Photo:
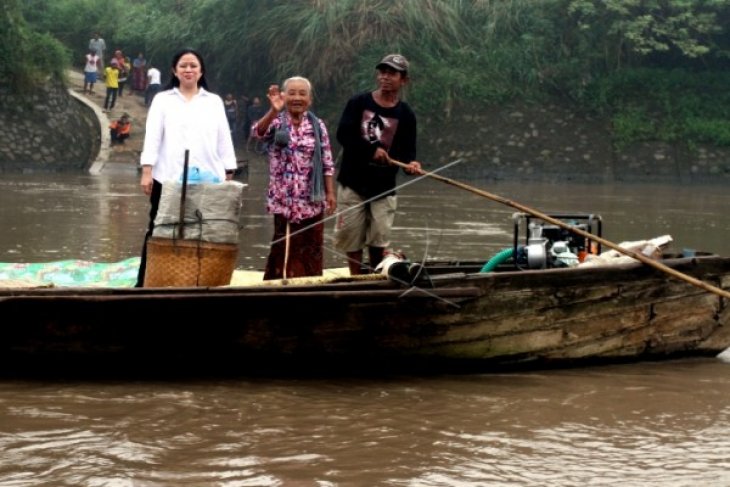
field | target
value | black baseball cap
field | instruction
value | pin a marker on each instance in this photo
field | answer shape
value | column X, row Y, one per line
column 395, row 61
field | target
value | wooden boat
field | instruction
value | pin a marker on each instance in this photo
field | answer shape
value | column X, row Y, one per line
column 455, row 318
column 448, row 316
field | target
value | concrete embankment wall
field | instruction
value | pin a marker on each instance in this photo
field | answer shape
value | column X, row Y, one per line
column 47, row 131
column 52, row 130
column 553, row 143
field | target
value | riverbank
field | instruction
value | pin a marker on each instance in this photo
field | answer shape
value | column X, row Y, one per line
column 131, row 103
column 58, row 128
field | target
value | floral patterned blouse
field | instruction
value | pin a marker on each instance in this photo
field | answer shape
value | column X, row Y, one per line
column 290, row 168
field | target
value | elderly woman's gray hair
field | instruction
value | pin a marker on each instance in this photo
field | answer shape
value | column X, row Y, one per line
column 299, row 78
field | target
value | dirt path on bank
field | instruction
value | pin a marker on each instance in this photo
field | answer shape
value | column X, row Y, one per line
column 131, row 102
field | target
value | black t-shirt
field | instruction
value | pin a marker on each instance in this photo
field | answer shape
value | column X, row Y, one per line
column 365, row 126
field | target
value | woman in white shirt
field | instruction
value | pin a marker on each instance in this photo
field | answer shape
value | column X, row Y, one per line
column 185, row 116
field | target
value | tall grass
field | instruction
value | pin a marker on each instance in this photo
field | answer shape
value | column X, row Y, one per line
column 464, row 53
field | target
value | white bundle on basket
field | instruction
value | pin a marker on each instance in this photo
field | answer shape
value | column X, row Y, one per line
column 212, row 211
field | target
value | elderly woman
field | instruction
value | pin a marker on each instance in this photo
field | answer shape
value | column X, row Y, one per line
column 301, row 180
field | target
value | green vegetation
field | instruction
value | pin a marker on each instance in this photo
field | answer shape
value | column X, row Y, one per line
column 657, row 68
column 669, row 105
column 27, row 57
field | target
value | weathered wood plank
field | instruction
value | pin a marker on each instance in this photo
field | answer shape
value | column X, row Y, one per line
column 503, row 317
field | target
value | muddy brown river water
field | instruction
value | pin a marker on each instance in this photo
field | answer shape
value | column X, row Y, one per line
column 648, row 424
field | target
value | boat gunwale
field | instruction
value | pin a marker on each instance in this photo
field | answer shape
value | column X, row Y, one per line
column 451, row 280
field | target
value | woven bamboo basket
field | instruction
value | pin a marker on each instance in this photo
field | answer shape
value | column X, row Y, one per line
column 189, row 263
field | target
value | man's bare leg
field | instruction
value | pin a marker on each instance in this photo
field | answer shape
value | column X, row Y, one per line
column 376, row 255
column 354, row 262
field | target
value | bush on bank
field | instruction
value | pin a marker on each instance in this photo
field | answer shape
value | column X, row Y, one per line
column 28, row 58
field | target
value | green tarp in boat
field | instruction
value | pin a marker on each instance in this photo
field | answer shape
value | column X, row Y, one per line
column 71, row 273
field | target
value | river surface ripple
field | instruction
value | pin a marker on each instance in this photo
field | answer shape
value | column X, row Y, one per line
column 648, row 424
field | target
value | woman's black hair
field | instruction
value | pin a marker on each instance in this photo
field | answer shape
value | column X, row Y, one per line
column 174, row 81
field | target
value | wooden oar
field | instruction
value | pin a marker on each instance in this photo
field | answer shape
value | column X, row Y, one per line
column 636, row 255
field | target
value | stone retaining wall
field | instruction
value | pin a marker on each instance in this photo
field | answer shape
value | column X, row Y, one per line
column 47, row 131
column 53, row 131
column 546, row 143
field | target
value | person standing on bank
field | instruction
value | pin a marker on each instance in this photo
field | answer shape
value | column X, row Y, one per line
column 154, row 84
column 91, row 67
column 375, row 127
column 139, row 73
column 301, row 180
column 111, row 80
column 97, row 44
column 254, row 112
column 185, row 116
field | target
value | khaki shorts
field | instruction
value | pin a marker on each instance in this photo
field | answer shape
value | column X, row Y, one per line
column 362, row 224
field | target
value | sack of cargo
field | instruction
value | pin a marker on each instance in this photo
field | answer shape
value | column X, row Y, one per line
column 211, row 212
column 195, row 234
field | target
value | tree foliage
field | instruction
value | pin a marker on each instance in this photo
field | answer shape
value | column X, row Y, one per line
column 629, row 30
column 27, row 57
column 463, row 52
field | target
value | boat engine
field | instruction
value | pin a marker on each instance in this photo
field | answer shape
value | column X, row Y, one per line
column 547, row 245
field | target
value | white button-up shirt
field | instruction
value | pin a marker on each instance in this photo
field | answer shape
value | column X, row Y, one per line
column 199, row 125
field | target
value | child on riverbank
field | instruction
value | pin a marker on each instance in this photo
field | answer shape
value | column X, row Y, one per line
column 119, row 130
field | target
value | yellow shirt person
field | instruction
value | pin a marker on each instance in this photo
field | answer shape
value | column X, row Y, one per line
column 112, row 85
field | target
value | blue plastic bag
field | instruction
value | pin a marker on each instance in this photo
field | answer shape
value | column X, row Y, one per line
column 196, row 176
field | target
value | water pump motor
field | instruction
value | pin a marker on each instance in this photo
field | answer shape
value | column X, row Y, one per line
column 547, row 245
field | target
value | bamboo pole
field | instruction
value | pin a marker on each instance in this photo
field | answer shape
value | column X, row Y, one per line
column 181, row 227
column 607, row 243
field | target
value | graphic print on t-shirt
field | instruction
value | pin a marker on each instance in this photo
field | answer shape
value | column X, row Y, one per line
column 375, row 128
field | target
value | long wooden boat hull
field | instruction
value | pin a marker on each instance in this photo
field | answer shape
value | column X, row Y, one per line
column 459, row 319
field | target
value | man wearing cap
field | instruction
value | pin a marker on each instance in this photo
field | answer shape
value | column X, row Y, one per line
column 112, row 84
column 376, row 127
